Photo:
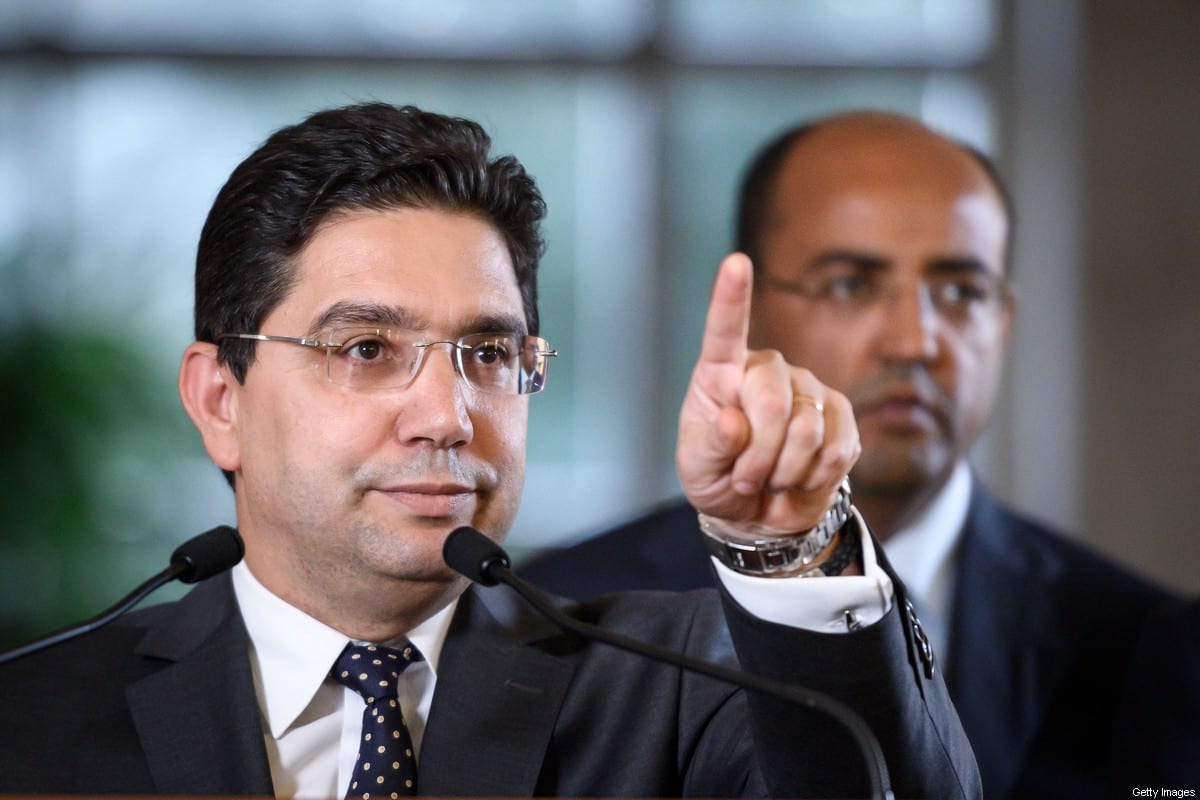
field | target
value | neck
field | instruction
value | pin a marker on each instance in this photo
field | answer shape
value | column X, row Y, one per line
column 888, row 508
column 369, row 611
column 381, row 617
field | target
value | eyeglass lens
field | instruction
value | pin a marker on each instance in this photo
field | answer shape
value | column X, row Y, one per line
column 502, row 363
column 956, row 297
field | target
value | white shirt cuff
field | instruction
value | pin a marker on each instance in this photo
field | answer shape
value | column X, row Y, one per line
column 821, row 605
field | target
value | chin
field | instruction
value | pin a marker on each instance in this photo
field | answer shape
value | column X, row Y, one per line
column 419, row 568
column 411, row 552
column 900, row 472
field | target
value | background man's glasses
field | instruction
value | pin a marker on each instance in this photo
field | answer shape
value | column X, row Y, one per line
column 365, row 359
column 959, row 298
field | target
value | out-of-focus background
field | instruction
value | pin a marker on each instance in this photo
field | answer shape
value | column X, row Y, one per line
column 120, row 119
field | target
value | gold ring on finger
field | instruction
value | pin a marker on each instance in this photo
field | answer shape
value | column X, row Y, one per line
column 808, row 400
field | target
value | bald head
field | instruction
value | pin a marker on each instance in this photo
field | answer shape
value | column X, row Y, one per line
column 887, row 144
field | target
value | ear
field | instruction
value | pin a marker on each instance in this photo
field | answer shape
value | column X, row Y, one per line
column 209, row 394
column 1008, row 313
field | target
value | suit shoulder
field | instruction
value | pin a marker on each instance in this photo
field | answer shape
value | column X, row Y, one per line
column 103, row 650
column 661, row 550
column 133, row 644
column 666, row 524
column 1083, row 577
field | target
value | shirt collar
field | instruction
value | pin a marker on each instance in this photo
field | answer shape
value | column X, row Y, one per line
column 291, row 652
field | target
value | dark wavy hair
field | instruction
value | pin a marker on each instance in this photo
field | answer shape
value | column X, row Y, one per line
column 366, row 156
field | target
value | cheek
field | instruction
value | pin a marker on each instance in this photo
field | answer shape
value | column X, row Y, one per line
column 978, row 365
column 804, row 339
column 834, row 356
column 305, row 438
column 500, row 442
column 500, row 435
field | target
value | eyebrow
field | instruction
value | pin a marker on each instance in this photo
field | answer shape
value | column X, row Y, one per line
column 958, row 265
column 492, row 323
column 942, row 265
column 351, row 313
column 829, row 258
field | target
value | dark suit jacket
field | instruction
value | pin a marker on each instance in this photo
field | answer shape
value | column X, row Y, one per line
column 163, row 702
column 1158, row 728
column 1041, row 633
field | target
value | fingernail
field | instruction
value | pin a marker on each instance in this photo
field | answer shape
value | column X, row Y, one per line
column 745, row 487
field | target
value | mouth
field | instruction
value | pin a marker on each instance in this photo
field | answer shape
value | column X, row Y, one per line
column 900, row 411
column 432, row 499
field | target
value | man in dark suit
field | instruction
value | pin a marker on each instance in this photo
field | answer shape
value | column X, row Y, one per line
column 881, row 252
column 366, row 338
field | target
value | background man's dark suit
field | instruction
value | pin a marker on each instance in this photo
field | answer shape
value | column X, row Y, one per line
column 519, row 708
column 1158, row 728
column 1040, row 635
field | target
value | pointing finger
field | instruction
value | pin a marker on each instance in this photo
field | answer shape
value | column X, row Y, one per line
column 726, row 328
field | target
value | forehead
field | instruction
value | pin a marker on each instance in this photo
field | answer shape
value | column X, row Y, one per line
column 897, row 198
column 438, row 270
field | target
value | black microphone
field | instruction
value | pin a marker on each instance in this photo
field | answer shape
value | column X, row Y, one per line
column 198, row 558
column 475, row 556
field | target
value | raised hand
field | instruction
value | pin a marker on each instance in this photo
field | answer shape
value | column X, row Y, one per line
column 762, row 444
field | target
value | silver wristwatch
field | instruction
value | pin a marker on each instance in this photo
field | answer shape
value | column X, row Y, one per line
column 777, row 555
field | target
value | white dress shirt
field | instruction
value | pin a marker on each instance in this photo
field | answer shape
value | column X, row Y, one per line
column 923, row 554
column 312, row 725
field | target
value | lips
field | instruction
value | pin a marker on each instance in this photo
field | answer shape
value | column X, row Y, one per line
column 431, row 499
column 900, row 408
column 903, row 414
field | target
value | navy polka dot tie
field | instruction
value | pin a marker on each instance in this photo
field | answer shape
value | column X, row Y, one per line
column 386, row 766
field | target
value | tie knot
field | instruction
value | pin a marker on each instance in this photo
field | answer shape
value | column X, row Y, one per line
column 373, row 670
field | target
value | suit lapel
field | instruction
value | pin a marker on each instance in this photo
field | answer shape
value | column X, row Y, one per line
column 198, row 717
column 1006, row 649
column 496, row 701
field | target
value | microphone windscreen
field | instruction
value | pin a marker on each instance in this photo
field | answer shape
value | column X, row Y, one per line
column 468, row 552
column 208, row 554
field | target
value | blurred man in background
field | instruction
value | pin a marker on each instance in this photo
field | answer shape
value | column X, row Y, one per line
column 881, row 252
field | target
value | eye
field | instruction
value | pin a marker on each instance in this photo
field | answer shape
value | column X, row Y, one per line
column 962, row 293
column 368, row 351
column 853, row 286
column 491, row 352
column 364, row 347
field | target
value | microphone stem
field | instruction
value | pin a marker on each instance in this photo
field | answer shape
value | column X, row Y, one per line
column 861, row 732
column 104, row 617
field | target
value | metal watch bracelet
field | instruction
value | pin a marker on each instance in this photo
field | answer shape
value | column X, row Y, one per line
column 843, row 555
column 776, row 556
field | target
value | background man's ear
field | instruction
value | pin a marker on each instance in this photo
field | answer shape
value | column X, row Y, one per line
column 1009, row 311
column 209, row 395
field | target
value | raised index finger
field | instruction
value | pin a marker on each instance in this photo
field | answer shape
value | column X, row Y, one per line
column 727, row 325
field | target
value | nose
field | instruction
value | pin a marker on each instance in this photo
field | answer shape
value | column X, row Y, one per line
column 909, row 328
column 435, row 411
